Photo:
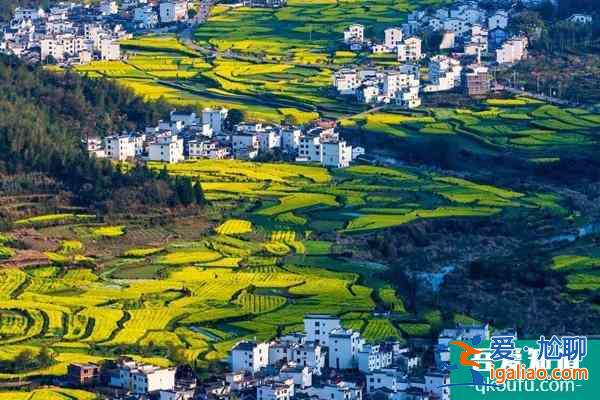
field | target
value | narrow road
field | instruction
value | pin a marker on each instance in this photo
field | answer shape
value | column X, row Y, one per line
column 543, row 97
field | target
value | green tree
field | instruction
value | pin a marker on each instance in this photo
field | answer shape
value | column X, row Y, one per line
column 199, row 197
column 233, row 118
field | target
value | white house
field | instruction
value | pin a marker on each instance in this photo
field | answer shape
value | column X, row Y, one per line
column 434, row 381
column 318, row 326
column 369, row 93
column 325, row 147
column 145, row 17
column 166, row 148
column 393, row 37
column 95, row 146
column 308, row 354
column 212, row 120
column 62, row 46
column 457, row 25
column 435, row 23
column 249, row 356
column 392, row 380
column 173, row 11
column 119, row 148
column 512, row 50
column 346, row 81
column 402, row 86
column 354, row 34
column 245, row 145
column 276, row 391
column 142, row 379
column 187, row 118
column 373, row 357
column 109, row 50
column 340, row 391
column 336, row 154
column 22, row 13
column 444, row 73
column 300, row 375
column 290, row 138
column 109, row 7
column 344, row 346
column 499, row 19
column 212, row 149
column 410, row 50
column 448, row 41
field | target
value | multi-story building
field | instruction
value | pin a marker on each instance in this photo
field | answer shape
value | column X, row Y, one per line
column 212, row 121
column 173, row 11
column 188, row 119
column 119, row 147
column 249, row 356
column 276, row 391
column 145, row 17
column 202, row 148
column 109, row 50
column 265, row 3
column 373, row 357
column 436, row 384
column 346, row 81
column 108, row 7
column 142, row 379
column 393, row 37
column 22, row 13
column 444, row 73
column 402, row 86
column 409, row 50
column 388, row 379
column 476, row 80
column 63, row 46
column 340, row 391
column 167, row 148
column 83, row 374
column 290, row 138
column 318, row 326
column 498, row 19
column 512, row 50
column 308, row 354
column 344, row 346
column 354, row 35
column 299, row 374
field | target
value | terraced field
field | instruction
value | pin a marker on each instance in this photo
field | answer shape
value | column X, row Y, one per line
column 518, row 124
column 352, row 200
column 273, row 64
column 259, row 266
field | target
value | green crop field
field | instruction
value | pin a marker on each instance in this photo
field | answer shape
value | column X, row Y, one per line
column 358, row 195
column 276, row 240
column 272, row 64
column 255, row 269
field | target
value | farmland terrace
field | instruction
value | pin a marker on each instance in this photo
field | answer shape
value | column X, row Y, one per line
column 281, row 243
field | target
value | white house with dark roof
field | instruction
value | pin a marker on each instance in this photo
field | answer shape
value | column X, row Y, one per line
column 344, row 346
column 318, row 326
column 374, row 357
column 249, row 356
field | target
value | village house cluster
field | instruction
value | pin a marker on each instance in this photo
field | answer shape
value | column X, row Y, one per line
column 472, row 41
column 324, row 362
column 75, row 33
column 327, row 361
column 190, row 136
column 129, row 379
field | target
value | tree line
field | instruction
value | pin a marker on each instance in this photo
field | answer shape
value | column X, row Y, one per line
column 45, row 119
